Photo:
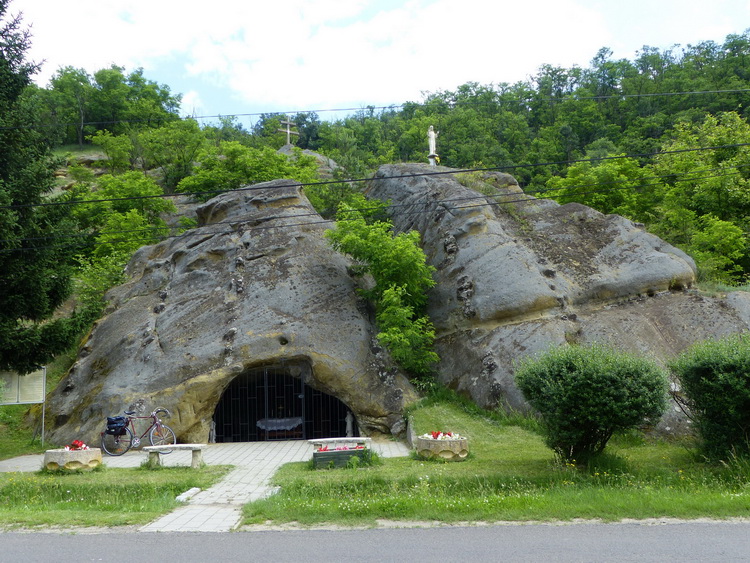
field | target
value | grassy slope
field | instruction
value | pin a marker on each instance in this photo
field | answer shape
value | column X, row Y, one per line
column 510, row 475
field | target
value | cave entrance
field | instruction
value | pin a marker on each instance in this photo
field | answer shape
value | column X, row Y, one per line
column 274, row 403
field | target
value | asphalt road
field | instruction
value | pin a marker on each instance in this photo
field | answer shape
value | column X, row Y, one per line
column 641, row 542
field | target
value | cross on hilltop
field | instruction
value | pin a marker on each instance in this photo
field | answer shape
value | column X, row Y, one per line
column 289, row 124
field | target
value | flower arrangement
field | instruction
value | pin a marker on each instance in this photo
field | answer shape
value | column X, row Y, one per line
column 76, row 445
column 441, row 436
column 339, row 448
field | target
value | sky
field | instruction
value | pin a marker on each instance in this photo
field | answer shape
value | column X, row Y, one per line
column 247, row 57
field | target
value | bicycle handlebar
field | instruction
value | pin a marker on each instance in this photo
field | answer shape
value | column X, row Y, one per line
column 161, row 409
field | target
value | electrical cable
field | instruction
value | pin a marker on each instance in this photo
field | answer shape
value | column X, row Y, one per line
column 235, row 223
column 375, row 178
column 454, row 104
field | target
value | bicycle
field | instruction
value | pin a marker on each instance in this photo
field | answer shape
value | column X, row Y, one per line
column 119, row 438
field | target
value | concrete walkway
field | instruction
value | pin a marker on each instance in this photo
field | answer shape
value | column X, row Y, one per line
column 218, row 509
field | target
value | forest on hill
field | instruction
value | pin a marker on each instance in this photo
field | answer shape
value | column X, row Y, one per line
column 662, row 139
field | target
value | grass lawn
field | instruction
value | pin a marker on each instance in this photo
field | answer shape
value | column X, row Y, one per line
column 510, row 475
column 107, row 497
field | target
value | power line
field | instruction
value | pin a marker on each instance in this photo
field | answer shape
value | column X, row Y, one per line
column 459, row 103
column 358, row 180
column 202, row 232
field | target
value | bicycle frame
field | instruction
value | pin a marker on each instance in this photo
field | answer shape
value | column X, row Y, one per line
column 158, row 433
column 155, row 421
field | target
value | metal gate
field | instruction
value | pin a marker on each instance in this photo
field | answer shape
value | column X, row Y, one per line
column 269, row 403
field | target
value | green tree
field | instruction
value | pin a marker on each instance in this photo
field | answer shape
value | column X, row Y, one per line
column 124, row 233
column 393, row 260
column 707, row 193
column 715, row 388
column 228, row 129
column 81, row 104
column 586, row 394
column 173, row 149
column 35, row 268
column 121, row 196
column 408, row 336
column 71, row 91
column 232, row 165
column 616, row 185
column 402, row 278
column 266, row 132
column 118, row 148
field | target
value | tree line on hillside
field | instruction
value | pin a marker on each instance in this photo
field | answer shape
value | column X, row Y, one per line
column 622, row 136
column 605, row 136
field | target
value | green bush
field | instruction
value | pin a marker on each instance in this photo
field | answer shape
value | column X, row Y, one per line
column 232, row 165
column 402, row 277
column 586, row 394
column 715, row 386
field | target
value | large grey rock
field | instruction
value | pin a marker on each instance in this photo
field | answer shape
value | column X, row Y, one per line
column 255, row 284
column 516, row 275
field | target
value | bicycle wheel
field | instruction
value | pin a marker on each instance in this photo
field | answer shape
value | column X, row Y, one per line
column 162, row 435
column 117, row 445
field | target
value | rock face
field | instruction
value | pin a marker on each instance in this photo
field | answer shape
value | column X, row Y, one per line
column 254, row 285
column 516, row 275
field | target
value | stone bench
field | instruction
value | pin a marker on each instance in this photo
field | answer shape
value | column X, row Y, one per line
column 358, row 441
column 338, row 458
column 153, row 453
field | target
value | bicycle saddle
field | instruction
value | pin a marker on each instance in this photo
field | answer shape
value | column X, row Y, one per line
column 129, row 413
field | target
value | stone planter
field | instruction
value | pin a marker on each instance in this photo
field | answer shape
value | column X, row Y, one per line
column 335, row 458
column 446, row 450
column 72, row 459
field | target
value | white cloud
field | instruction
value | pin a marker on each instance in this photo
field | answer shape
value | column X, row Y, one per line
column 397, row 53
column 307, row 54
column 192, row 104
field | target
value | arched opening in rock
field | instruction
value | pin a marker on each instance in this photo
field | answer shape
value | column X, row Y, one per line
column 274, row 403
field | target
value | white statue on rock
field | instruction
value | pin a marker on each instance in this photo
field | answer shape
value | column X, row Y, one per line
column 432, row 138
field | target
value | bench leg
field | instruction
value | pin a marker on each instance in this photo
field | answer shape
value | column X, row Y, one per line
column 197, row 459
column 153, row 459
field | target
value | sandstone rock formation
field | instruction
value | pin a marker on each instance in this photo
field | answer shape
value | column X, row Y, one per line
column 516, row 274
column 255, row 284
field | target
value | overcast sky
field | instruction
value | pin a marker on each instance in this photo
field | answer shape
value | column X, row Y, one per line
column 250, row 56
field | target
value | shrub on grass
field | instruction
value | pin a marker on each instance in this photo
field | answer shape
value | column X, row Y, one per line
column 715, row 384
column 586, row 394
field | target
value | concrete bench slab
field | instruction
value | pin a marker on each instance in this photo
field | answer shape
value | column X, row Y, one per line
column 360, row 441
column 154, row 451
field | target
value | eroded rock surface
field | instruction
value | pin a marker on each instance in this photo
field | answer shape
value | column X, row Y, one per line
column 516, row 275
column 256, row 284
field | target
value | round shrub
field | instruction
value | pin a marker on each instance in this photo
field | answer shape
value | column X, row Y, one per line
column 714, row 378
column 586, row 394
